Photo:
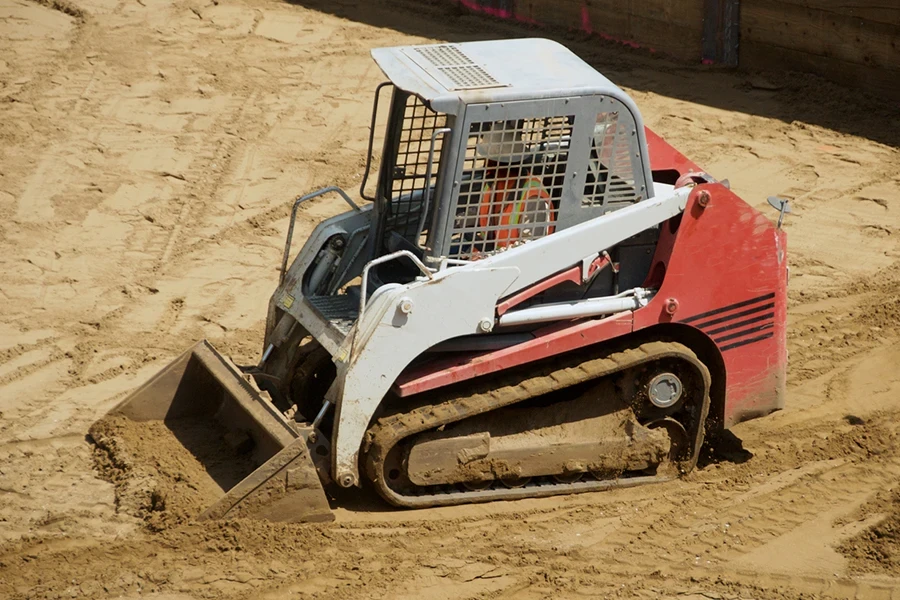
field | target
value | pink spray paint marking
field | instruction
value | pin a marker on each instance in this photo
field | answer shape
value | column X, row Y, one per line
column 500, row 13
column 586, row 19
column 586, row 25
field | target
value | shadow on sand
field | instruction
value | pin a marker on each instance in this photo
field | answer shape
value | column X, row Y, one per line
column 723, row 448
column 785, row 96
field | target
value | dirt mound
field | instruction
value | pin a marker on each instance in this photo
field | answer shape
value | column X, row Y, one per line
column 877, row 549
column 165, row 473
column 858, row 439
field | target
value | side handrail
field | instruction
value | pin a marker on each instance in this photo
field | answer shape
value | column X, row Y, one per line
column 365, row 178
column 383, row 259
column 297, row 203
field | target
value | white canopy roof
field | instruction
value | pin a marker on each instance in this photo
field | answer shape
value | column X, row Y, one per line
column 448, row 76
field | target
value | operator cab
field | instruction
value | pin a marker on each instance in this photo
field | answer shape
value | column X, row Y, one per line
column 492, row 144
column 487, row 146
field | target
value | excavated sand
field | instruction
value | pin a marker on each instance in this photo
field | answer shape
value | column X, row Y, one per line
column 166, row 473
column 876, row 549
column 149, row 151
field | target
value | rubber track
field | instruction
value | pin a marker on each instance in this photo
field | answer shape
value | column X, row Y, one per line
column 486, row 394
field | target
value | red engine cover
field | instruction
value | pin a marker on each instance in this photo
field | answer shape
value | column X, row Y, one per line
column 724, row 273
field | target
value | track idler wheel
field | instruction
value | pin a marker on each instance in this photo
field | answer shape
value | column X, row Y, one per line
column 515, row 482
column 568, row 477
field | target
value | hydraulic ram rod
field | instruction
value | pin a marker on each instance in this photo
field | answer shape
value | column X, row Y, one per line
column 564, row 311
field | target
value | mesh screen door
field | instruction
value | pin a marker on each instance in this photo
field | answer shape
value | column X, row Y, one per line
column 526, row 170
column 512, row 178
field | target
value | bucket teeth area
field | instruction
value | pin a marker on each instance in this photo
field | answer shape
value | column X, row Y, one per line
column 199, row 441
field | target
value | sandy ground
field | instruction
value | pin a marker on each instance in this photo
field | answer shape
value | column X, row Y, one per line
column 150, row 149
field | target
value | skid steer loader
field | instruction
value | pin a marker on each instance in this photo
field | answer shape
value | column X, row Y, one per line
column 541, row 297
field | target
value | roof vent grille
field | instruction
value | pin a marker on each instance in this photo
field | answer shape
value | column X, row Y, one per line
column 444, row 55
column 454, row 69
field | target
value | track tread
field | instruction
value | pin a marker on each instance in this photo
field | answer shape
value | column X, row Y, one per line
column 445, row 406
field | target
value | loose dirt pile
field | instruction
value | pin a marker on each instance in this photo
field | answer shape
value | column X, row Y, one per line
column 150, row 151
column 877, row 549
column 166, row 473
column 213, row 559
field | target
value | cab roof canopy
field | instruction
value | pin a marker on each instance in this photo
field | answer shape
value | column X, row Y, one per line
column 449, row 76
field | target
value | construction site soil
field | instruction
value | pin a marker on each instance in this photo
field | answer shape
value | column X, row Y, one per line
column 166, row 474
column 149, row 150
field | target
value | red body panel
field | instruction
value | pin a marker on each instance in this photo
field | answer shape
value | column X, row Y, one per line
column 726, row 276
column 664, row 157
column 721, row 270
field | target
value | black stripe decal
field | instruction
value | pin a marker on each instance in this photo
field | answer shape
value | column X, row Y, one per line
column 745, row 313
column 729, row 307
column 734, row 336
column 741, row 324
column 745, row 342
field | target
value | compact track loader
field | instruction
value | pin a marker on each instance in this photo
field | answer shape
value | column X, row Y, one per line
column 541, row 297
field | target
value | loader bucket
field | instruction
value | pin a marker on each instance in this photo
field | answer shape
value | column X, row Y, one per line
column 279, row 481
